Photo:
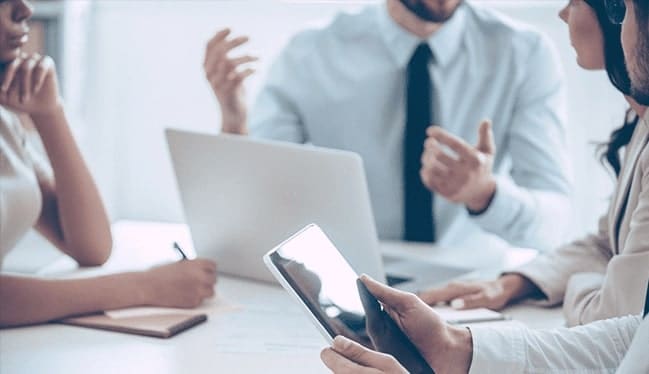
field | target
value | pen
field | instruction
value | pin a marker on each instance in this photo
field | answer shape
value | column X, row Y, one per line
column 177, row 247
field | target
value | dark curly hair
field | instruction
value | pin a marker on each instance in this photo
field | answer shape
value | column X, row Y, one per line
column 619, row 76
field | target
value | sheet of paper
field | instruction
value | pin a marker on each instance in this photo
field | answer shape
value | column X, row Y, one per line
column 211, row 306
column 261, row 330
column 455, row 316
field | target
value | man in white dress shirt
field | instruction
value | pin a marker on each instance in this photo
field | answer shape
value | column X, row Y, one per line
column 373, row 82
column 618, row 344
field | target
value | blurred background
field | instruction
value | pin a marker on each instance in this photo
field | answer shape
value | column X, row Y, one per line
column 131, row 68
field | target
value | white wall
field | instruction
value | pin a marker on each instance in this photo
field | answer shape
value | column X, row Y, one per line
column 145, row 61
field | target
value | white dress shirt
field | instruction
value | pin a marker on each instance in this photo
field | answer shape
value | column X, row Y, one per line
column 343, row 86
column 608, row 346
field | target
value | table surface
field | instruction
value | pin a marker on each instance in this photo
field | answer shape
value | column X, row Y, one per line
column 252, row 327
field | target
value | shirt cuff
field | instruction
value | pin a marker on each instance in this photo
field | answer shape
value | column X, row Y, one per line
column 507, row 203
column 497, row 350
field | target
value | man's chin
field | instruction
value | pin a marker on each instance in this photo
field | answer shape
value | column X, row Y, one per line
column 419, row 9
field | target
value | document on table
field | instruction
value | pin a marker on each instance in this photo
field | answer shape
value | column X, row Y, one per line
column 262, row 330
column 461, row 317
column 209, row 307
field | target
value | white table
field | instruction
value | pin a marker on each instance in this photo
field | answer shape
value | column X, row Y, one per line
column 252, row 327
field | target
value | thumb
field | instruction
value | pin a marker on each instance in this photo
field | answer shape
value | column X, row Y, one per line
column 486, row 143
column 356, row 352
column 388, row 296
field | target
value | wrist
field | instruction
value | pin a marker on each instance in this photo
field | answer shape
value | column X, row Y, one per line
column 143, row 288
column 514, row 286
column 458, row 353
column 233, row 124
column 480, row 202
column 46, row 117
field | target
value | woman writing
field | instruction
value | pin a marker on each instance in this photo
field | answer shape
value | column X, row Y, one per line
column 55, row 193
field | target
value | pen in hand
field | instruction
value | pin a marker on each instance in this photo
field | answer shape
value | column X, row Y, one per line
column 182, row 253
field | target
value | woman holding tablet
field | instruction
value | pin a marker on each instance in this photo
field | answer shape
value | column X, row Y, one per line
column 53, row 192
column 598, row 347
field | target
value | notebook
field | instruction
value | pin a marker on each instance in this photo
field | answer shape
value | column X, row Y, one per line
column 468, row 316
column 140, row 321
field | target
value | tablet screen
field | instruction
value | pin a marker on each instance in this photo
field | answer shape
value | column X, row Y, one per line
column 325, row 282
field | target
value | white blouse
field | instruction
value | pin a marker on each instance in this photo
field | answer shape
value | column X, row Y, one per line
column 20, row 194
column 616, row 345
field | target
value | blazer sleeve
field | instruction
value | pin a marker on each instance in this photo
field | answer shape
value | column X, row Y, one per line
column 621, row 289
column 552, row 271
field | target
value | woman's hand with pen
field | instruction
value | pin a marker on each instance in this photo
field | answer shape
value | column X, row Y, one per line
column 183, row 284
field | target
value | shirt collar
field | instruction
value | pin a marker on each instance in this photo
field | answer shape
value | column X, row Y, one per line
column 444, row 43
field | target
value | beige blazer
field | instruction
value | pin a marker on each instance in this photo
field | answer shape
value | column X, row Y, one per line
column 605, row 274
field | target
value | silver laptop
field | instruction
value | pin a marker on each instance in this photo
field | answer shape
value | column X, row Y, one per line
column 243, row 196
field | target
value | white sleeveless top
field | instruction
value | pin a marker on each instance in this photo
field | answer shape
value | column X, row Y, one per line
column 20, row 194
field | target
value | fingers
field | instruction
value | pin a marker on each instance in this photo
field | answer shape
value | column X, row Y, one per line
column 390, row 297
column 466, row 153
column 434, row 152
column 441, row 179
column 243, row 60
column 449, row 292
column 206, row 264
column 25, row 77
column 347, row 356
column 209, row 269
column 436, row 178
column 10, row 73
column 340, row 364
column 207, row 292
column 218, row 37
column 45, row 66
column 225, row 74
column 222, row 72
column 234, row 43
column 219, row 46
column 26, row 70
column 472, row 301
column 218, row 52
column 241, row 76
column 436, row 167
column 486, row 142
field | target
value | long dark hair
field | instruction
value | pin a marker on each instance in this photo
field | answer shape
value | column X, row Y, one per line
column 619, row 76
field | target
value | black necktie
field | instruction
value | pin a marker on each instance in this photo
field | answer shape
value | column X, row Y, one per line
column 418, row 201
